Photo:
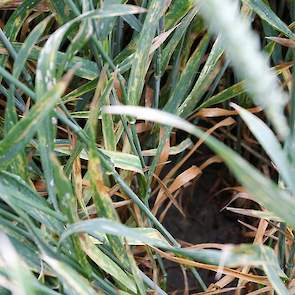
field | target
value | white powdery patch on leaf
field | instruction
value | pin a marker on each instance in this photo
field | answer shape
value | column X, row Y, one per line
column 242, row 47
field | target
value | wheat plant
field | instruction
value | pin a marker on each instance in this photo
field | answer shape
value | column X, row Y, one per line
column 93, row 96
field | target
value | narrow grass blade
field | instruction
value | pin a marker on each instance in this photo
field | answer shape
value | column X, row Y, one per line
column 176, row 12
column 242, row 46
column 270, row 144
column 233, row 256
column 21, row 281
column 9, row 228
column 98, row 226
column 133, row 22
column 28, row 46
column 187, row 76
column 78, row 42
column 104, row 27
column 179, row 32
column 79, row 91
column 283, row 41
column 18, row 195
column 125, row 161
column 263, row 189
column 28, row 252
column 20, row 163
column 255, row 213
column 62, row 11
column 173, row 150
column 72, row 280
column 146, row 231
column 107, row 264
column 103, row 203
column 87, row 69
column 225, row 95
column 24, row 130
column 206, row 77
column 265, row 12
column 120, row 160
column 107, row 121
column 47, row 60
column 244, row 255
column 100, row 196
column 16, row 21
column 232, row 91
column 140, row 60
column 68, row 206
column 273, row 277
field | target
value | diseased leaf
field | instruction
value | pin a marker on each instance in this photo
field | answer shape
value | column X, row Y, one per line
column 265, row 12
column 25, row 129
column 107, row 264
column 71, row 279
column 120, row 160
column 141, row 60
column 177, row 9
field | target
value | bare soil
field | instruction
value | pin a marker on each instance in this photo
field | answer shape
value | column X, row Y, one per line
column 205, row 222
